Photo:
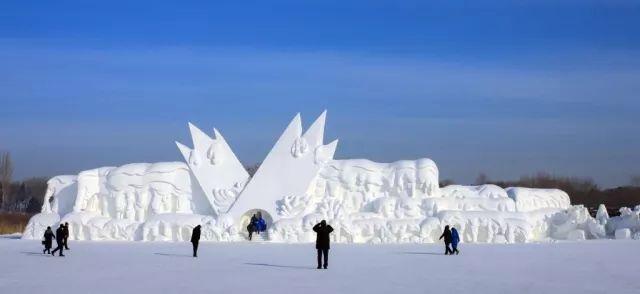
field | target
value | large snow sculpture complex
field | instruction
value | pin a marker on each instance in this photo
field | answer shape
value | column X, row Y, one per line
column 298, row 184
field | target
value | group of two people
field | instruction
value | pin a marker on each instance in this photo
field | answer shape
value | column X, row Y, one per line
column 322, row 241
column 257, row 224
column 452, row 238
column 61, row 236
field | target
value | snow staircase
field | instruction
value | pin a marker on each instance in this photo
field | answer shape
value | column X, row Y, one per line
column 262, row 237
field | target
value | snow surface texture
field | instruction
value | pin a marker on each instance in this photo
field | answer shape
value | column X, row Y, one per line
column 600, row 266
column 298, row 184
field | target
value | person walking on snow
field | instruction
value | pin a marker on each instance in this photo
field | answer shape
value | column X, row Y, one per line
column 59, row 240
column 66, row 235
column 455, row 239
column 48, row 240
column 447, row 240
column 322, row 242
column 195, row 239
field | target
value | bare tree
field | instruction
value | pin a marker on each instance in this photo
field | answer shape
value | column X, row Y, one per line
column 6, row 172
column 482, row 179
column 635, row 181
column 252, row 169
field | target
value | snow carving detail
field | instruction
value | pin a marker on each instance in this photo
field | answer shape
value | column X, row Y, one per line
column 213, row 154
column 299, row 147
column 291, row 206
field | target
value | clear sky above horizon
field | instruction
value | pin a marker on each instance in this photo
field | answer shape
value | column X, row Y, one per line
column 503, row 88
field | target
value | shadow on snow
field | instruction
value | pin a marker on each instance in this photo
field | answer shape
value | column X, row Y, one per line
column 280, row 266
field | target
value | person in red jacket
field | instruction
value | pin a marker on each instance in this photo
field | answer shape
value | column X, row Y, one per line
column 322, row 242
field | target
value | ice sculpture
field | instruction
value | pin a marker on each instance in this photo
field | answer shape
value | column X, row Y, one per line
column 298, row 184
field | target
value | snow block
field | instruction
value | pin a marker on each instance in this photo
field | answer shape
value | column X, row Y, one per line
column 576, row 235
column 623, row 234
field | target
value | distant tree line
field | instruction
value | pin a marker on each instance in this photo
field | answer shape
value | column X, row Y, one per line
column 19, row 196
column 581, row 190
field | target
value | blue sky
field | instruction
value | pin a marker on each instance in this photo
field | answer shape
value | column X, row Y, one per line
column 504, row 88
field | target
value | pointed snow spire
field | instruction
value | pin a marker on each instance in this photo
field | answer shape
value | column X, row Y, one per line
column 293, row 130
column 184, row 150
column 200, row 139
column 331, row 148
column 217, row 136
column 315, row 134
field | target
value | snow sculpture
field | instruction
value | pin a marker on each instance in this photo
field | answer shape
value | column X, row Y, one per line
column 602, row 215
column 471, row 198
column 61, row 194
column 287, row 171
column 215, row 167
column 298, row 184
column 529, row 199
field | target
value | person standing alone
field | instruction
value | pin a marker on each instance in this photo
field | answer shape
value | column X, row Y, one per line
column 322, row 242
column 195, row 239
column 59, row 240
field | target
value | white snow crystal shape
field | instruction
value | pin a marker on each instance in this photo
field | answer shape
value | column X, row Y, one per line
column 299, row 147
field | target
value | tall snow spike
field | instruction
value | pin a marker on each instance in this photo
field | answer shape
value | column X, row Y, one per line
column 315, row 134
column 200, row 139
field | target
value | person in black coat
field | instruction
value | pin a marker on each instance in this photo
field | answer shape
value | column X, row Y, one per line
column 59, row 240
column 195, row 239
column 447, row 240
column 48, row 240
column 250, row 229
column 322, row 242
column 66, row 235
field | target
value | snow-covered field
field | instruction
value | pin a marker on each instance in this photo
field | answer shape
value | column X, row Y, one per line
column 142, row 267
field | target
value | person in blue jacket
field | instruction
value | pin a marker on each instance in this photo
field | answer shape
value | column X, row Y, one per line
column 455, row 239
column 262, row 225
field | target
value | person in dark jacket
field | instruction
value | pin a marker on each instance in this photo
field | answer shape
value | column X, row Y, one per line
column 322, row 242
column 250, row 229
column 254, row 224
column 447, row 240
column 48, row 240
column 66, row 235
column 195, row 239
column 455, row 239
column 59, row 240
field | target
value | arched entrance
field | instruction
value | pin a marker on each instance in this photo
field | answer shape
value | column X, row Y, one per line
column 246, row 217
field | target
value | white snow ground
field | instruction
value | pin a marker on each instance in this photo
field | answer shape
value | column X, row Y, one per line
column 149, row 267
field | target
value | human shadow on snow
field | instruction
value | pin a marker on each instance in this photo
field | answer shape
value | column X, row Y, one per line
column 421, row 253
column 279, row 265
column 36, row 254
column 13, row 237
column 173, row 254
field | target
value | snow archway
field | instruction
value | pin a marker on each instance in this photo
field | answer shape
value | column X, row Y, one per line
column 246, row 217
